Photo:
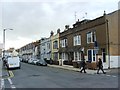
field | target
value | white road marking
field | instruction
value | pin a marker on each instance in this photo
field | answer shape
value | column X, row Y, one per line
column 108, row 75
column 114, row 76
column 2, row 84
column 13, row 86
column 11, row 83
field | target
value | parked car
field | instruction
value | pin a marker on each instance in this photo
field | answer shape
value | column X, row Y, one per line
column 34, row 61
column 41, row 63
column 24, row 60
column 30, row 60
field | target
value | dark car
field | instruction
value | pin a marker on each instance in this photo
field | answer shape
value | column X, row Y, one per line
column 41, row 63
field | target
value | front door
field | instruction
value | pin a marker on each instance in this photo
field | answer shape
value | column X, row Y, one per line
column 105, row 63
column 90, row 55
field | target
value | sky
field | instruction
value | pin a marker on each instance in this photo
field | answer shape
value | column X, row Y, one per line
column 33, row 19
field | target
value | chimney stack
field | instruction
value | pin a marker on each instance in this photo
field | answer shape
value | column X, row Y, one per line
column 58, row 31
column 52, row 33
column 66, row 27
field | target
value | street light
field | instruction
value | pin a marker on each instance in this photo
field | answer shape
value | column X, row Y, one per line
column 4, row 40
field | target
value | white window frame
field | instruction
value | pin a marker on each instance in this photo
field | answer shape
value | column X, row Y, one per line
column 77, row 40
column 63, row 43
column 55, row 44
column 64, row 56
column 91, row 37
column 77, row 56
column 92, row 55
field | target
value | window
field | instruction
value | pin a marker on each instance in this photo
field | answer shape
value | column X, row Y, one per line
column 55, row 44
column 77, row 40
column 77, row 56
column 64, row 56
column 91, row 37
column 48, row 45
column 91, row 55
column 55, row 56
column 63, row 43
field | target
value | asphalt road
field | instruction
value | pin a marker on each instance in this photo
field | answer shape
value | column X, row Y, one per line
column 31, row 76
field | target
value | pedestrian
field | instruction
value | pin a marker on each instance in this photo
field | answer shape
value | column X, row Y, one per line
column 83, row 64
column 100, row 66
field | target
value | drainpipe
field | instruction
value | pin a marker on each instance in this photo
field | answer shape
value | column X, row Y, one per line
column 108, row 45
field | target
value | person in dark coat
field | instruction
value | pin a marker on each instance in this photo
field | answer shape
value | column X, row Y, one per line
column 100, row 66
column 83, row 64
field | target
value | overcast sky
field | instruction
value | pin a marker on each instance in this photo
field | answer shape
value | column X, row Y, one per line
column 33, row 19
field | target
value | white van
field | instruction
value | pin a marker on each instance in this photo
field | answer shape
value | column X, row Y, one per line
column 13, row 62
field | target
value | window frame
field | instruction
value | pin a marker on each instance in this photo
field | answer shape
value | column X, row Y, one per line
column 77, row 40
column 93, row 55
column 91, row 37
column 63, row 42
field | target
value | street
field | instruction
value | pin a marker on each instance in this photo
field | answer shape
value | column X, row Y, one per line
column 32, row 76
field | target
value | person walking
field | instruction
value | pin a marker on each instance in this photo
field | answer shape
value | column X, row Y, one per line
column 83, row 64
column 100, row 66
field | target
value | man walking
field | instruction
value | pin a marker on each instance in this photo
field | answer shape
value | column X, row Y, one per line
column 100, row 66
column 83, row 64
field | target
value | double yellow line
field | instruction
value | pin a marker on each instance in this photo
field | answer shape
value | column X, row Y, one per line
column 10, row 73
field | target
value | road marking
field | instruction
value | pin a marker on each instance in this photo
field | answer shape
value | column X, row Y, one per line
column 9, row 79
column 11, row 83
column 114, row 76
column 10, row 74
column 13, row 86
column 2, row 84
column 108, row 75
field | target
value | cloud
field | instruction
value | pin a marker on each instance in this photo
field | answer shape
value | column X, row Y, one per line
column 34, row 19
column 19, row 42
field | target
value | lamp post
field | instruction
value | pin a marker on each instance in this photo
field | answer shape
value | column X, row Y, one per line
column 4, row 40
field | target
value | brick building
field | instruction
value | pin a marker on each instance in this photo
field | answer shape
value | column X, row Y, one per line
column 90, row 40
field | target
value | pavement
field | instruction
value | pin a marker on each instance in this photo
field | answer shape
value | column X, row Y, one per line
column 0, row 67
column 68, row 67
column 3, row 71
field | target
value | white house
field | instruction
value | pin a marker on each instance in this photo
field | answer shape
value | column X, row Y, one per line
column 45, row 48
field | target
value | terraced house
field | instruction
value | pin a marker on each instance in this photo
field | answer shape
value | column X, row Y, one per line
column 30, row 50
column 90, row 40
column 87, row 39
column 45, row 49
column 113, row 38
column 55, row 47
